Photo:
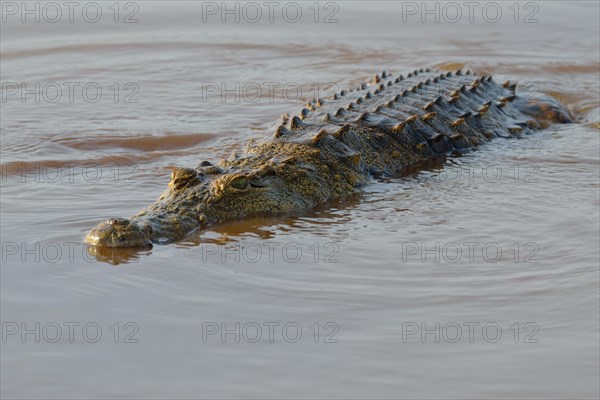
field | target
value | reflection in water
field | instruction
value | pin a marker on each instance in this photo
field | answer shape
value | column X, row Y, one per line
column 330, row 213
column 116, row 256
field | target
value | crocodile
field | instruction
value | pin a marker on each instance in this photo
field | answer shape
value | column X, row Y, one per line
column 336, row 145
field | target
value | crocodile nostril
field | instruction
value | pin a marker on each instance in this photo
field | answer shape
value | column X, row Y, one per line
column 118, row 221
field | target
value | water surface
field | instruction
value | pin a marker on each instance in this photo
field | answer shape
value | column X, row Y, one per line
column 477, row 279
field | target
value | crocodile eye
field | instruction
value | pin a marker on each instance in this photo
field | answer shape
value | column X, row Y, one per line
column 239, row 183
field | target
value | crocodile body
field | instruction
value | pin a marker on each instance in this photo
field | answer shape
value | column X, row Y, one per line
column 335, row 145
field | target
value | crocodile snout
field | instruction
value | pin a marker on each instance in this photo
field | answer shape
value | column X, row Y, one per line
column 119, row 232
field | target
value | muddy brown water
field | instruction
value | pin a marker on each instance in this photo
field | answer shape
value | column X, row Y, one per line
column 475, row 279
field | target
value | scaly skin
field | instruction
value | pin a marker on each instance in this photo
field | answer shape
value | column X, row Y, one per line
column 333, row 147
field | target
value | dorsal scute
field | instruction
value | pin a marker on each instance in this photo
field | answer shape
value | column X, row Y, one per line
column 296, row 123
column 281, row 131
column 341, row 131
column 320, row 135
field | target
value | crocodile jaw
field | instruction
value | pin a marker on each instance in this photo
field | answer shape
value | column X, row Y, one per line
column 119, row 232
column 141, row 231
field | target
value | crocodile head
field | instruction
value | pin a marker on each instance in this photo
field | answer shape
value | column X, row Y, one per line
column 209, row 194
column 172, row 215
